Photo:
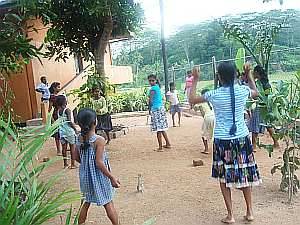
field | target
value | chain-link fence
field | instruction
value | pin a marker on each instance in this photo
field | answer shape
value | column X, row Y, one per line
column 282, row 65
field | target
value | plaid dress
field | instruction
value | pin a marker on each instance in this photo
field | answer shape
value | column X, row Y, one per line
column 94, row 185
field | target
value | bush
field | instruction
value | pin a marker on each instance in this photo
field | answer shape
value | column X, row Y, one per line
column 128, row 102
column 24, row 197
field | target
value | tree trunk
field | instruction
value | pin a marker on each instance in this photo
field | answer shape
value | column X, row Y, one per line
column 101, row 45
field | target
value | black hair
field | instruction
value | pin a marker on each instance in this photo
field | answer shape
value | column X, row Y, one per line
column 155, row 78
column 172, row 84
column 263, row 77
column 43, row 77
column 53, row 86
column 61, row 100
column 189, row 72
column 227, row 73
column 86, row 119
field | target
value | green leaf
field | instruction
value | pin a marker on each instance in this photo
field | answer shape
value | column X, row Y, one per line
column 150, row 221
column 240, row 59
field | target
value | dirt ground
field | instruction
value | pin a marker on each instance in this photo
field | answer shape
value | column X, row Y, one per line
column 176, row 193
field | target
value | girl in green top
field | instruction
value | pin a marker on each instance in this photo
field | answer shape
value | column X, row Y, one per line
column 103, row 116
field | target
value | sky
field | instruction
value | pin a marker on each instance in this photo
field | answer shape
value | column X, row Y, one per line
column 181, row 12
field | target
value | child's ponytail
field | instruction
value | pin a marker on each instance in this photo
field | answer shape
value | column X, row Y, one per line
column 84, row 133
column 86, row 119
column 227, row 73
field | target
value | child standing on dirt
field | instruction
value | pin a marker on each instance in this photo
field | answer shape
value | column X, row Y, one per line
column 208, row 123
column 234, row 163
column 174, row 101
column 159, row 122
column 67, row 130
column 96, row 180
column 103, row 117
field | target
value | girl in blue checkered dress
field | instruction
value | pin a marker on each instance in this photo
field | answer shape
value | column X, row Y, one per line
column 96, row 180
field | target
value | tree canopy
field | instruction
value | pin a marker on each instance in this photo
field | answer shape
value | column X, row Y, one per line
column 84, row 27
column 196, row 44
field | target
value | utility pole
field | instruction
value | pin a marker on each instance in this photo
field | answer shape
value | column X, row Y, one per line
column 163, row 45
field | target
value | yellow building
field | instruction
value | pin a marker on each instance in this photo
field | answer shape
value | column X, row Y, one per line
column 27, row 103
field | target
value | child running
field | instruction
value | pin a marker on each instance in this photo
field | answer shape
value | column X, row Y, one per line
column 96, row 180
column 234, row 165
column 67, row 130
column 175, row 106
column 159, row 122
column 208, row 123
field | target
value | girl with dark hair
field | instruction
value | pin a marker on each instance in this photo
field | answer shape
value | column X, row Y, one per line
column 67, row 130
column 103, row 116
column 188, row 85
column 96, row 180
column 54, row 90
column 208, row 123
column 255, row 121
column 159, row 122
column 233, row 160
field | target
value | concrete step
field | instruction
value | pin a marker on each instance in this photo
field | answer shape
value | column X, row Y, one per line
column 34, row 122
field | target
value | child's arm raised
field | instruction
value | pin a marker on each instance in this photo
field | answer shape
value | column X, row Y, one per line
column 99, row 145
column 251, row 83
column 193, row 98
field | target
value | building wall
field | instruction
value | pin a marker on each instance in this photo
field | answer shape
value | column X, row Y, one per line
column 24, row 104
column 27, row 103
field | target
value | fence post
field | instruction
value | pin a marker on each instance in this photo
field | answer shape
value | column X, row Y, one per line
column 173, row 74
column 216, row 82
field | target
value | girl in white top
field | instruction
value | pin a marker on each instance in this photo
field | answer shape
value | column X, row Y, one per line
column 172, row 96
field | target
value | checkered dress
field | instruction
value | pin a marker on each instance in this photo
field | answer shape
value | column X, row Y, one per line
column 95, row 186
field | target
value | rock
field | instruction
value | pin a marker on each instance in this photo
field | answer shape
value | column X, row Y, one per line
column 46, row 159
column 198, row 162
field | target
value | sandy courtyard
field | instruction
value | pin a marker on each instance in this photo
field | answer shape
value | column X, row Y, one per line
column 175, row 192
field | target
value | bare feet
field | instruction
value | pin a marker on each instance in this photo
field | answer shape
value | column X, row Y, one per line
column 160, row 149
column 249, row 218
column 276, row 145
column 167, row 146
column 228, row 220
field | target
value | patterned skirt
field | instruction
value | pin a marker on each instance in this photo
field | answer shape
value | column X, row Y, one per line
column 234, row 163
column 159, row 121
column 255, row 122
column 104, row 122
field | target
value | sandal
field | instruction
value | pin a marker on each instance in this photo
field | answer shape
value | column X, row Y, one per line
column 72, row 167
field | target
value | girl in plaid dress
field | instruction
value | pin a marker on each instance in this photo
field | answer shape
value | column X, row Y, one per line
column 96, row 180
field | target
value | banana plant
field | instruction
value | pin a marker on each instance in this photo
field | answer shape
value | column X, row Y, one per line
column 280, row 110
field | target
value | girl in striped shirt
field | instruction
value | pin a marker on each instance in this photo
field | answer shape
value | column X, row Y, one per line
column 234, row 165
